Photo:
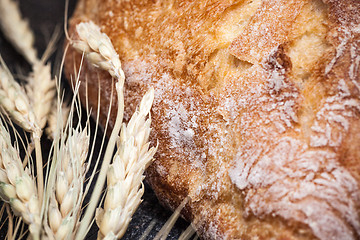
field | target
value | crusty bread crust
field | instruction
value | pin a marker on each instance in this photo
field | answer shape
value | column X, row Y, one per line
column 257, row 109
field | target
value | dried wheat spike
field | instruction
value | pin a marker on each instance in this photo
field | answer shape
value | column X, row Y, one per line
column 17, row 30
column 17, row 187
column 125, row 174
column 41, row 91
column 98, row 49
column 65, row 203
column 15, row 102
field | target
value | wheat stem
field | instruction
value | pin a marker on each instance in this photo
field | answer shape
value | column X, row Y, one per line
column 147, row 231
column 39, row 165
column 99, row 51
column 10, row 222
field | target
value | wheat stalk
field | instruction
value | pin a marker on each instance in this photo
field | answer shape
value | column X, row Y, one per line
column 17, row 30
column 98, row 49
column 17, row 187
column 66, row 200
column 125, row 174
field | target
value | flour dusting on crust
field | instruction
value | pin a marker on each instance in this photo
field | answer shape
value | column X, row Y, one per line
column 282, row 175
column 257, row 122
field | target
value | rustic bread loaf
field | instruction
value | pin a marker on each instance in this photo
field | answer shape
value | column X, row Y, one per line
column 257, row 109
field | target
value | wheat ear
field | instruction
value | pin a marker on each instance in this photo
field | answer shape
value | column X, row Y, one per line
column 17, row 30
column 41, row 91
column 17, row 187
column 66, row 200
column 125, row 174
column 98, row 49
column 15, row 102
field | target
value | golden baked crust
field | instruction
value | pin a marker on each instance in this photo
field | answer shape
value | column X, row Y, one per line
column 257, row 109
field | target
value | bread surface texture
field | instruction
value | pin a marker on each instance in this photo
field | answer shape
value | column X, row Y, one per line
column 256, row 110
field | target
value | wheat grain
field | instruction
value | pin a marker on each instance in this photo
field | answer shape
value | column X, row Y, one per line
column 41, row 91
column 17, row 30
column 125, row 174
column 65, row 202
column 98, row 49
column 17, row 186
column 15, row 102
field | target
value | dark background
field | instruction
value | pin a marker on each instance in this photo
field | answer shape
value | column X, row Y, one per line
column 44, row 17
